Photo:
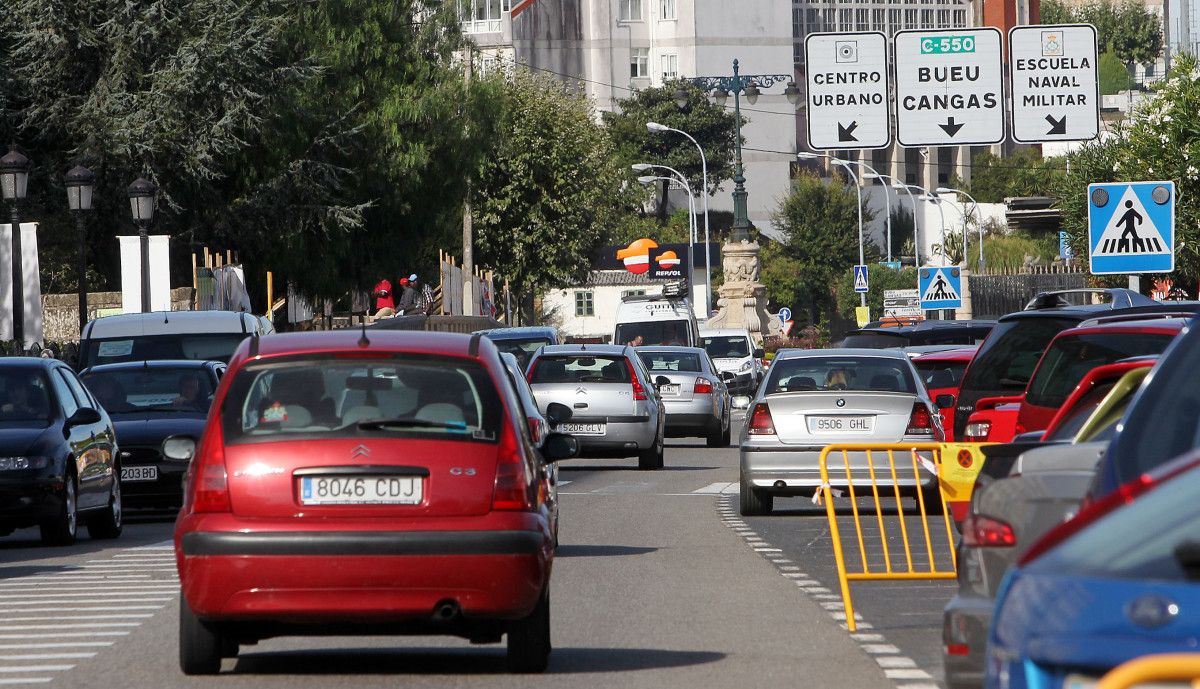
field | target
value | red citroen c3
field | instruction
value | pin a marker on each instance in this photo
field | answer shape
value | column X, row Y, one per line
column 372, row 482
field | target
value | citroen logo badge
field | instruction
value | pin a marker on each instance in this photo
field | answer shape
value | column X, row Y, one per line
column 1152, row 611
column 360, row 451
column 841, row 403
column 580, row 390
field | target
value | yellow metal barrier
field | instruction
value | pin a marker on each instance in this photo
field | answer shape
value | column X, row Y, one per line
column 895, row 472
column 1165, row 667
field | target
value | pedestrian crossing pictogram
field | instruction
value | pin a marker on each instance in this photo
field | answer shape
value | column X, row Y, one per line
column 1131, row 227
column 861, row 279
column 941, row 288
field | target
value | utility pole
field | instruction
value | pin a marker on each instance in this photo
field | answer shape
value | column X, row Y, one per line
column 468, row 264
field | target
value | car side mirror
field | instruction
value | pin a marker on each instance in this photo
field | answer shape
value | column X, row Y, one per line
column 559, row 446
column 945, row 401
column 728, row 376
column 84, row 416
column 558, row 413
column 660, row 381
column 759, row 353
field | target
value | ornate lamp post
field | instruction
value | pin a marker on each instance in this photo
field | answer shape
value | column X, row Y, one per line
column 141, row 204
column 80, row 182
column 14, row 183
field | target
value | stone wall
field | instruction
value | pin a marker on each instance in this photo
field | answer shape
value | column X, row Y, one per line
column 61, row 311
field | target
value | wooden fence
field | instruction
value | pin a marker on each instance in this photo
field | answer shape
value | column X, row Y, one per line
column 993, row 295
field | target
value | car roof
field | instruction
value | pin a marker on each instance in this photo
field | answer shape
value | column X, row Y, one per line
column 350, row 339
column 960, row 354
column 517, row 332
column 27, row 362
column 156, row 363
column 727, row 332
column 841, row 351
column 170, row 323
column 581, row 349
column 670, row 348
column 923, row 326
column 1154, row 325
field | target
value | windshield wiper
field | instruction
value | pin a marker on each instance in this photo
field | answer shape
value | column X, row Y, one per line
column 379, row 424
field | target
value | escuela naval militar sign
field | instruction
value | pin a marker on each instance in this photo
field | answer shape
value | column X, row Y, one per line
column 656, row 261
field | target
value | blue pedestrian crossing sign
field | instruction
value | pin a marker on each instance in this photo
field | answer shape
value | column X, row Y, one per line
column 940, row 288
column 1131, row 227
column 860, row 279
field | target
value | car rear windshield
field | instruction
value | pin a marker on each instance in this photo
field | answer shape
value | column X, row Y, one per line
column 653, row 333
column 1069, row 359
column 840, row 373
column 732, row 347
column 156, row 389
column 196, row 347
column 1152, row 539
column 1081, row 410
column 428, row 396
column 874, row 340
column 671, row 361
column 580, row 368
column 940, row 374
column 522, row 349
column 24, row 397
column 1007, row 358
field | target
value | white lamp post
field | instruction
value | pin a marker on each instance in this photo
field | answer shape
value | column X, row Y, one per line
column 804, row 155
column 658, row 128
column 978, row 215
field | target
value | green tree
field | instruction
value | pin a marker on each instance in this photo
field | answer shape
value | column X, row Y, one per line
column 1113, row 75
column 879, row 279
column 1023, row 173
column 1123, row 27
column 819, row 220
column 550, row 192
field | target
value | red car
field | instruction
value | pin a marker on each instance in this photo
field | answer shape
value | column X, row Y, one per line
column 380, row 482
column 942, row 372
column 1088, row 395
column 1069, row 357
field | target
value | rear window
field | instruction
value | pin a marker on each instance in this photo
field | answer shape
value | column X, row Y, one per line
column 874, row 340
column 151, row 389
column 580, row 368
column 1069, row 359
column 1079, row 413
column 940, row 374
column 1143, row 540
column 653, row 333
column 670, row 361
column 731, row 347
column 1007, row 358
column 196, row 347
column 522, row 349
column 840, row 373
column 437, row 397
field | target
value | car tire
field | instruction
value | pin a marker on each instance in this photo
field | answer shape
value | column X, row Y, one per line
column 529, row 639
column 727, row 436
column 651, row 458
column 200, row 646
column 717, row 437
column 107, row 524
column 754, row 502
column 64, row 527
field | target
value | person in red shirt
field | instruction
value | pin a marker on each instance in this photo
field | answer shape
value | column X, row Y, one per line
column 384, row 298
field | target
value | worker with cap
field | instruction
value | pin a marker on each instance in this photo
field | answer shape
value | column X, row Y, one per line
column 408, row 295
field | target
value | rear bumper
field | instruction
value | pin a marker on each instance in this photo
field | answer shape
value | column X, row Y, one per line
column 167, row 489
column 621, row 438
column 965, row 622
column 798, row 468
column 27, row 502
column 694, row 419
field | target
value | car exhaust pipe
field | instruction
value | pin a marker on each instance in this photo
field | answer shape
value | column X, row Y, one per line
column 446, row 611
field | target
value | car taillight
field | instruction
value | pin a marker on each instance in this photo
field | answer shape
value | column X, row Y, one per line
column 535, row 430
column 760, row 420
column 513, row 490
column 977, row 431
column 979, row 531
column 209, row 481
column 920, row 421
column 639, row 392
column 532, row 368
column 703, row 387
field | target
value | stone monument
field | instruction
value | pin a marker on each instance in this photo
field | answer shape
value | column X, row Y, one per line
column 743, row 300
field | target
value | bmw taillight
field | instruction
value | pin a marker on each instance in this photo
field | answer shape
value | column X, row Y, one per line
column 209, row 483
column 761, row 422
column 639, row 392
column 979, row 531
column 977, row 431
column 703, row 387
column 920, row 421
column 514, row 491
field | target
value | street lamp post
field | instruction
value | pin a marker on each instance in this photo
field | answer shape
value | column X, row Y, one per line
column 14, row 184
column 898, row 185
column 858, row 189
column 975, row 206
column 80, row 182
column 656, row 127
column 942, row 214
column 678, row 177
column 738, row 84
column 887, row 198
column 141, row 205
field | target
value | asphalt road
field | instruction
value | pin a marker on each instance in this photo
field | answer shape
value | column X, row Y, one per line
column 658, row 583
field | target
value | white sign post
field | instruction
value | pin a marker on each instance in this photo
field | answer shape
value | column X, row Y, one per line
column 1054, row 83
column 849, row 100
column 949, row 87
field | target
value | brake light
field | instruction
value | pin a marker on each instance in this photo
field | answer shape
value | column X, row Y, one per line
column 920, row 422
column 209, row 480
column 958, row 650
column 532, row 368
column 980, row 531
column 703, row 387
column 639, row 392
column 977, row 431
column 513, row 490
column 761, row 422
column 535, row 430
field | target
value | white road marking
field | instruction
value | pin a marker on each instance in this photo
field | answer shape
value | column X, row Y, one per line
column 714, row 488
column 59, row 635
column 37, row 668
column 880, row 648
column 47, row 656
column 72, row 644
column 46, row 618
column 895, row 661
column 156, row 588
column 25, row 680
column 80, row 625
column 907, row 673
column 867, row 637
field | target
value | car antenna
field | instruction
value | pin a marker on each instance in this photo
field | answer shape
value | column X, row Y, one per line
column 363, row 340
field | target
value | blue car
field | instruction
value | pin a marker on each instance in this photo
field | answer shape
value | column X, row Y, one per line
column 1117, row 582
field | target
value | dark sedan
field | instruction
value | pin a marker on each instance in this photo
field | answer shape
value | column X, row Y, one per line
column 58, row 450
column 159, row 410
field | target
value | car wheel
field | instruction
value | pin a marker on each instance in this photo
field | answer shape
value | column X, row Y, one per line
column 754, row 502
column 64, row 527
column 108, row 523
column 529, row 639
column 726, row 436
column 200, row 646
column 715, row 436
column 652, row 457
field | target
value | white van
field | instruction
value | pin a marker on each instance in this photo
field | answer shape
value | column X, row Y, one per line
column 651, row 319
column 734, row 351
column 199, row 335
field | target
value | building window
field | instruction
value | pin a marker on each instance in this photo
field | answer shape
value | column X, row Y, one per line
column 482, row 16
column 632, row 293
column 670, row 66
column 910, row 19
column 927, row 19
column 861, row 17
column 960, row 18
column 488, row 64
column 631, row 10
column 943, row 19
column 585, row 304
column 639, row 63
column 845, row 20
column 668, row 9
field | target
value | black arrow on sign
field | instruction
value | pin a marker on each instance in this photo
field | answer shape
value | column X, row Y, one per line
column 846, row 133
column 1058, row 126
column 951, row 127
